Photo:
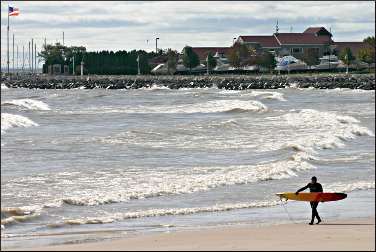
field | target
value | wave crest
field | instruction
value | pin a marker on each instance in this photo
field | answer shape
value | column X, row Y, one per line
column 28, row 104
column 165, row 212
column 10, row 120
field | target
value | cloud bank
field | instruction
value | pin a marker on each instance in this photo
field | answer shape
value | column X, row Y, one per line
column 135, row 25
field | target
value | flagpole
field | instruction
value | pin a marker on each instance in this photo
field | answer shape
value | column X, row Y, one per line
column 8, row 44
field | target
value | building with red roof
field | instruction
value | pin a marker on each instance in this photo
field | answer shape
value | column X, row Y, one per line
column 316, row 38
column 202, row 52
column 293, row 44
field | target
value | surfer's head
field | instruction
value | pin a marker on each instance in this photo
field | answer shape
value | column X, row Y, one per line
column 314, row 179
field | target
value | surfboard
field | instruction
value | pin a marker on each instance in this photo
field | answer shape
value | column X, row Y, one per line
column 312, row 197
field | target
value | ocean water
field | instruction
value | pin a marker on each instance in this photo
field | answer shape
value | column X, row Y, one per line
column 81, row 165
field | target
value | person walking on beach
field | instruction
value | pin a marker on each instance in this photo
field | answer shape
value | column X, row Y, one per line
column 313, row 187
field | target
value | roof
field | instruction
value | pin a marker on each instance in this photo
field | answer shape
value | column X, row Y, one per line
column 354, row 46
column 302, row 39
column 158, row 60
column 202, row 52
column 264, row 41
column 313, row 29
column 318, row 30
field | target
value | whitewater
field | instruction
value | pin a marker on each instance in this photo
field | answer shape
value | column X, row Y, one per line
column 74, row 162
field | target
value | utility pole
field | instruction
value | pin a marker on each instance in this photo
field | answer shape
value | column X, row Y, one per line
column 63, row 38
column 156, row 45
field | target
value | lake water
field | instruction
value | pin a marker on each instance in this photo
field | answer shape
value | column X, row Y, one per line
column 81, row 165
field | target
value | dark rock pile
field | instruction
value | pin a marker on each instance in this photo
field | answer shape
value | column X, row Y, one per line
column 233, row 82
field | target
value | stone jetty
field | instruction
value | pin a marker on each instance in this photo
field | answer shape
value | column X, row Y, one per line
column 232, row 82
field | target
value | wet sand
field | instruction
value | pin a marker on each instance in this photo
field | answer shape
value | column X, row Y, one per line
column 351, row 234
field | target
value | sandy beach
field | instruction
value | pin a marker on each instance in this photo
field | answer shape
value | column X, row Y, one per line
column 351, row 234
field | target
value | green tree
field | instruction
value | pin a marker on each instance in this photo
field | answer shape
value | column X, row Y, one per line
column 52, row 54
column 367, row 54
column 311, row 56
column 172, row 61
column 241, row 55
column 190, row 58
column 266, row 60
column 234, row 57
column 370, row 41
column 211, row 61
column 346, row 56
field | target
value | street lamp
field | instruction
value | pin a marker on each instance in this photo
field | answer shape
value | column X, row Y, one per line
column 156, row 45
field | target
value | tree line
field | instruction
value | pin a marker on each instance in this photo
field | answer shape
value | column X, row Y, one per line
column 127, row 62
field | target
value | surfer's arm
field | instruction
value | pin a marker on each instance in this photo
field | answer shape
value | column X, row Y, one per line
column 301, row 189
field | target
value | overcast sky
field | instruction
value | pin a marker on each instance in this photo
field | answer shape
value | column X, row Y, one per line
column 129, row 25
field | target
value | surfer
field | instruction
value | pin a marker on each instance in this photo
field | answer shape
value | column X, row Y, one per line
column 313, row 187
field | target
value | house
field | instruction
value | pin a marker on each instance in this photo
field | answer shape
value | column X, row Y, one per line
column 202, row 52
column 294, row 44
column 354, row 47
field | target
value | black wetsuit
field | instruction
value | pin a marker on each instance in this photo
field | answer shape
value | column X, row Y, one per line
column 316, row 187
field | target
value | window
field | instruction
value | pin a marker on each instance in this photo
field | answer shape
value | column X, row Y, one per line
column 297, row 50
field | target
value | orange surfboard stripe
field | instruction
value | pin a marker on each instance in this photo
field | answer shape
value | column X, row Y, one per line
column 313, row 197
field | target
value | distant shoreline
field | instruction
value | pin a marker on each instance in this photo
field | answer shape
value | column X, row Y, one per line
column 232, row 82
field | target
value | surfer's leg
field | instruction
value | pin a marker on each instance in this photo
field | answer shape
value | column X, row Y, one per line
column 313, row 212
column 317, row 213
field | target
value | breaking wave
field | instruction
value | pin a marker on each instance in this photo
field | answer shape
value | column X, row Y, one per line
column 349, row 187
column 165, row 212
column 332, row 130
column 200, row 179
column 337, row 187
column 215, row 106
column 268, row 95
column 10, row 120
column 12, row 215
column 28, row 104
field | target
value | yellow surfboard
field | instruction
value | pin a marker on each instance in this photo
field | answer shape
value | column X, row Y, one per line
column 312, row 197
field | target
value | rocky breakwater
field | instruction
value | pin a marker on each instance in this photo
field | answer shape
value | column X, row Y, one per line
column 233, row 82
